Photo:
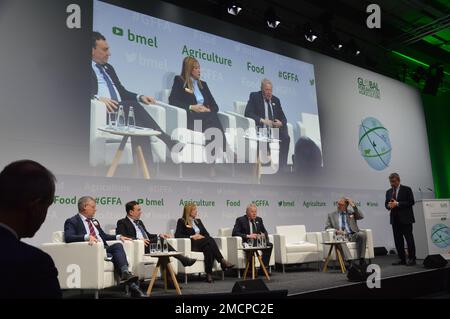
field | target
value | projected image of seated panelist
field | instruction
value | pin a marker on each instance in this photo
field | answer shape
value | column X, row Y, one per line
column 266, row 110
column 107, row 88
column 192, row 94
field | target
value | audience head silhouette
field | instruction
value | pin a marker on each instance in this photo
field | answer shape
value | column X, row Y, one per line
column 27, row 190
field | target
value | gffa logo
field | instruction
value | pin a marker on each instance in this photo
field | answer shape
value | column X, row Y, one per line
column 261, row 202
column 288, row 76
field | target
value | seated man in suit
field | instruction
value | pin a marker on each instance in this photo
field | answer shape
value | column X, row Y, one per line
column 266, row 110
column 133, row 227
column 249, row 227
column 107, row 88
column 345, row 222
column 84, row 227
column 26, row 191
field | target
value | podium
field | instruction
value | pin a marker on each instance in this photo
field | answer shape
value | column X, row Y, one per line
column 432, row 227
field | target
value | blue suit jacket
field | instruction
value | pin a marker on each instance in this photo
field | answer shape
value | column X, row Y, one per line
column 74, row 230
column 27, row 271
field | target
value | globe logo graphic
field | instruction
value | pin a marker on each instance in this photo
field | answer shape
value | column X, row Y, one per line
column 440, row 235
column 374, row 144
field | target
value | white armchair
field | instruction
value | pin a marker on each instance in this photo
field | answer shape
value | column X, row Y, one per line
column 293, row 245
column 183, row 245
column 103, row 146
column 235, row 254
column 81, row 266
column 308, row 126
column 249, row 127
column 351, row 246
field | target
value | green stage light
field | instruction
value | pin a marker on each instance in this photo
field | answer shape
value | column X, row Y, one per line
column 413, row 60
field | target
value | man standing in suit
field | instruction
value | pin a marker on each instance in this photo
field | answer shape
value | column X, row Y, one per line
column 266, row 110
column 133, row 227
column 345, row 222
column 107, row 88
column 26, row 191
column 249, row 227
column 399, row 201
column 84, row 227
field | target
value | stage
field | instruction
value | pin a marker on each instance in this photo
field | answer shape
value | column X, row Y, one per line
column 305, row 281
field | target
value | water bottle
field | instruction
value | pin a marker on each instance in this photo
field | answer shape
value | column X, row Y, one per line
column 165, row 246
column 263, row 241
column 158, row 244
column 131, row 119
column 258, row 241
column 121, row 118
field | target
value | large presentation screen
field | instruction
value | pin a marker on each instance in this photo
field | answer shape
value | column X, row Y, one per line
column 147, row 55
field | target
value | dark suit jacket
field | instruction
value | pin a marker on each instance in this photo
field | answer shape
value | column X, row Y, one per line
column 183, row 231
column 27, row 271
column 255, row 109
column 402, row 214
column 74, row 230
column 126, row 228
column 242, row 227
column 183, row 99
column 124, row 93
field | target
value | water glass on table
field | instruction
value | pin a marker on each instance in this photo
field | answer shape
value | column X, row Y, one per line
column 112, row 120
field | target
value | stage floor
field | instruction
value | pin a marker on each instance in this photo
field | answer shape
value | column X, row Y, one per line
column 297, row 280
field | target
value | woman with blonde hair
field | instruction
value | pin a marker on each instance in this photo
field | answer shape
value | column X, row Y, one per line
column 193, row 95
column 189, row 226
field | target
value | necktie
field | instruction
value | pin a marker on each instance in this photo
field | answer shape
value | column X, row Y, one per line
column 141, row 228
column 343, row 221
column 91, row 228
column 109, row 83
column 394, row 193
column 255, row 229
column 269, row 110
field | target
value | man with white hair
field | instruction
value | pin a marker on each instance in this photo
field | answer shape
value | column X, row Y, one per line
column 266, row 110
column 344, row 221
column 249, row 227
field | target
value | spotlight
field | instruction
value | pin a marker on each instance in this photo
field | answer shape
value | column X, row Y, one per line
column 335, row 42
column 310, row 34
column 353, row 48
column 272, row 20
column 234, row 8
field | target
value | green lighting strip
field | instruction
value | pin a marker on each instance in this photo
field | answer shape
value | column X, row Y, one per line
column 413, row 60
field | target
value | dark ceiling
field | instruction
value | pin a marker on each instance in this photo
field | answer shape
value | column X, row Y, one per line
column 413, row 33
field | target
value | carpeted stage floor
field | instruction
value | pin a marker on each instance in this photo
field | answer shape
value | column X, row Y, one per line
column 297, row 280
